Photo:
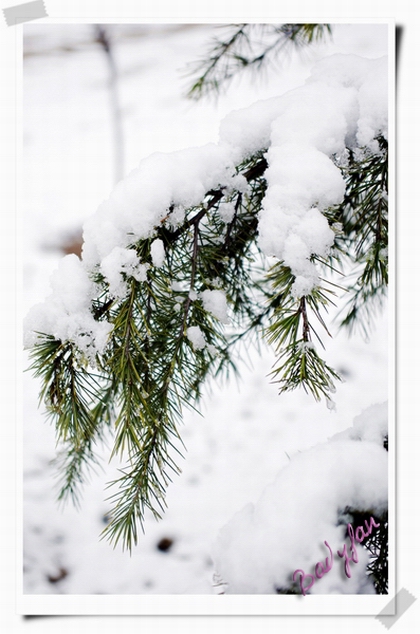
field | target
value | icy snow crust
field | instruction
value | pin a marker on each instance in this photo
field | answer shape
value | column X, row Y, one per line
column 342, row 104
column 260, row 548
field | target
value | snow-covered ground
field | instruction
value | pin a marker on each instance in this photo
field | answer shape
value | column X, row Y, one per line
column 247, row 432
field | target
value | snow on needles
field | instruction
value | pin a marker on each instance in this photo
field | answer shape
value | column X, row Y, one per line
column 215, row 303
column 196, row 337
column 65, row 313
column 141, row 201
column 258, row 551
column 340, row 106
column 343, row 104
column 121, row 261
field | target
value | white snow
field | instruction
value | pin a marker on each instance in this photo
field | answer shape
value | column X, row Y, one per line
column 66, row 314
column 226, row 211
column 157, row 251
column 261, row 547
column 196, row 337
column 371, row 425
column 176, row 217
column 122, row 261
column 215, row 303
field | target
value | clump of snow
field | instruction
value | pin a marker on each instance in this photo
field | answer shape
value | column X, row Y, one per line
column 258, row 551
column 342, row 104
column 215, row 303
column 122, row 261
column 196, row 337
column 237, row 183
column 157, row 251
column 226, row 211
column 65, row 314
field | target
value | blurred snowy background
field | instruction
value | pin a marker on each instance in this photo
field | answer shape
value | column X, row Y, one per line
column 247, row 432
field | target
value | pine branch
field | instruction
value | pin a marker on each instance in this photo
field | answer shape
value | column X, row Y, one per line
column 364, row 239
column 152, row 367
column 290, row 330
column 250, row 47
column 194, row 258
column 207, row 79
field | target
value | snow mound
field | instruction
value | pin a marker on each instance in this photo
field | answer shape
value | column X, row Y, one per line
column 258, row 551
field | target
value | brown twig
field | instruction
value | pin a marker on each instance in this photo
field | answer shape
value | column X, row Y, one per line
column 306, row 333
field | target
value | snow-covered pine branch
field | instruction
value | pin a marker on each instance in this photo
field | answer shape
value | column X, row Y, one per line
column 185, row 244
